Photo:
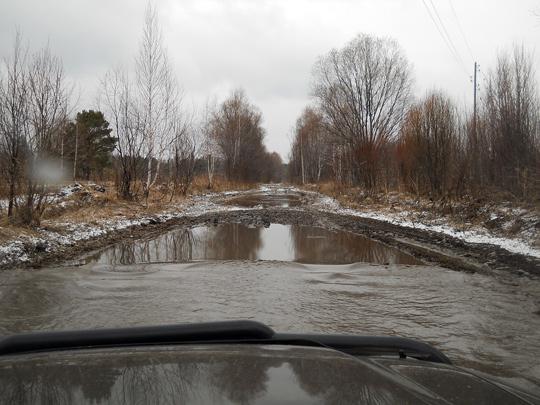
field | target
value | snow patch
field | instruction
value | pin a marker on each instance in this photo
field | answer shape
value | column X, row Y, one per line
column 21, row 249
column 478, row 235
column 13, row 252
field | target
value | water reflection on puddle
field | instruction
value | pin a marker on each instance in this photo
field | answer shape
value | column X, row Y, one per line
column 297, row 243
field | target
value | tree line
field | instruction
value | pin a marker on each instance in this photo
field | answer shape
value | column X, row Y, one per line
column 141, row 137
column 366, row 129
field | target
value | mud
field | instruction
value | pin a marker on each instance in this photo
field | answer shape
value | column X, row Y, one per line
column 261, row 200
column 427, row 246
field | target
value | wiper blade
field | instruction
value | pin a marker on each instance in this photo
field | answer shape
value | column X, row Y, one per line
column 248, row 332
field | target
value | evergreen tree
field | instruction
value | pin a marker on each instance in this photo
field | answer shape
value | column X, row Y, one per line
column 89, row 144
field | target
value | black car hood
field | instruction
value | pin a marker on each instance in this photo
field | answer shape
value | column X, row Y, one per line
column 237, row 373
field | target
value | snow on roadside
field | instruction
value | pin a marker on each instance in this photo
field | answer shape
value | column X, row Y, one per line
column 402, row 218
column 12, row 252
column 20, row 250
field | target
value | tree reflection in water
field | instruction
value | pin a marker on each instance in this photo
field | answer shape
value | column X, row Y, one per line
column 175, row 246
column 233, row 241
column 240, row 377
column 239, row 242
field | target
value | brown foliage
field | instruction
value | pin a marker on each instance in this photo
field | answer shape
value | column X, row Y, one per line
column 237, row 129
column 368, row 135
column 363, row 91
column 309, row 151
column 429, row 146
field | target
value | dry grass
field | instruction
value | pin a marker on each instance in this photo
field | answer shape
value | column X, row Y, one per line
column 220, row 184
column 501, row 215
column 91, row 206
column 9, row 232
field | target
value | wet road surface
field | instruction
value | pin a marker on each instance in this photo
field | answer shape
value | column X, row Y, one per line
column 298, row 243
column 309, row 280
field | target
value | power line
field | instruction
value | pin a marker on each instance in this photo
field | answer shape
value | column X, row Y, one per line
column 461, row 29
column 445, row 40
column 447, row 34
column 452, row 52
column 439, row 29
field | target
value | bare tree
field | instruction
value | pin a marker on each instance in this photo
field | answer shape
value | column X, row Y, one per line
column 14, row 124
column 363, row 90
column 274, row 168
column 48, row 110
column 430, row 145
column 310, row 149
column 209, row 146
column 128, row 123
column 186, row 147
column 146, row 114
column 159, row 96
column 512, row 119
column 238, row 132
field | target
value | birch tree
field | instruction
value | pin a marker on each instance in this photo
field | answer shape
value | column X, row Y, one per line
column 127, row 122
column 159, row 97
column 209, row 146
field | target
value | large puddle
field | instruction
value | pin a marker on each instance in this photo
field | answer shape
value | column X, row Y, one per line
column 297, row 243
column 232, row 271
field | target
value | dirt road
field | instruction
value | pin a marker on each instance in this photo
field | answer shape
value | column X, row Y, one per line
column 290, row 206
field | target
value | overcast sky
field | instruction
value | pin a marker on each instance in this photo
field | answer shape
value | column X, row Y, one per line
column 268, row 47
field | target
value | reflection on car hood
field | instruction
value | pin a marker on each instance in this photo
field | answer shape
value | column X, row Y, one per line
column 246, row 374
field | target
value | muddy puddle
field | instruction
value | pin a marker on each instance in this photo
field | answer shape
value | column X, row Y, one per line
column 295, row 243
column 265, row 200
column 295, row 278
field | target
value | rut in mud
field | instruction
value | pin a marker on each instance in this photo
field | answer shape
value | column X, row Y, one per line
column 270, row 256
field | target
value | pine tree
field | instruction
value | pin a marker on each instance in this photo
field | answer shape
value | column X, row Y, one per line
column 89, row 144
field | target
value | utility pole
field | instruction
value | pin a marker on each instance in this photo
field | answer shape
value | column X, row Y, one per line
column 76, row 149
column 474, row 102
column 475, row 134
column 62, row 154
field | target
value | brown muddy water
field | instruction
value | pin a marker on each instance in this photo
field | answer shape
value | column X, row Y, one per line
column 297, row 243
column 295, row 279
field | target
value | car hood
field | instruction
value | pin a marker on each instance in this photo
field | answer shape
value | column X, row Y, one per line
column 237, row 373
